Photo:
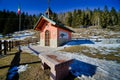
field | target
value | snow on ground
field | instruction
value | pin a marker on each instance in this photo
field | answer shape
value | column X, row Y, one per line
column 22, row 35
column 22, row 68
column 87, row 68
column 105, row 46
column 14, row 70
column 30, row 50
column 1, row 36
column 104, row 69
column 109, row 43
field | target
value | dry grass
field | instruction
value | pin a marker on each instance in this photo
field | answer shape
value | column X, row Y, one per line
column 76, row 49
column 94, row 31
column 33, row 72
column 5, row 61
column 87, row 51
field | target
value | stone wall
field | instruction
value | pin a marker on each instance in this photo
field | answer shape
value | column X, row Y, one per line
column 62, row 41
column 42, row 42
column 53, row 43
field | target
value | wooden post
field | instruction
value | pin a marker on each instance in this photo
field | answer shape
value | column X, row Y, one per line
column 5, row 47
column 28, row 42
column 0, row 47
column 15, row 43
column 18, row 43
column 12, row 45
column 9, row 45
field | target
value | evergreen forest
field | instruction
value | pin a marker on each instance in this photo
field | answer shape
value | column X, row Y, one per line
column 105, row 18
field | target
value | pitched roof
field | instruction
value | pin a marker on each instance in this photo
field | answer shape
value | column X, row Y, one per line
column 53, row 23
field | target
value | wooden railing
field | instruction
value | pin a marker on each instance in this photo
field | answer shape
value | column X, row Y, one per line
column 7, row 46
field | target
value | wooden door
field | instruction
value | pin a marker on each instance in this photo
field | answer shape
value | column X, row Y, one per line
column 47, row 38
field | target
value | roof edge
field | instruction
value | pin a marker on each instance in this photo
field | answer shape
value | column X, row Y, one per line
column 53, row 23
column 42, row 16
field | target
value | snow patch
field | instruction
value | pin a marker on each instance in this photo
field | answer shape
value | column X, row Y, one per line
column 104, row 68
column 22, row 68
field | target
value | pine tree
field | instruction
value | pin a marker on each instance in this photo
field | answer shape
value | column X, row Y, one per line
column 83, row 18
column 118, row 23
column 95, row 20
column 79, row 15
column 114, row 18
column 11, row 24
column 105, row 18
column 74, row 22
column 69, row 19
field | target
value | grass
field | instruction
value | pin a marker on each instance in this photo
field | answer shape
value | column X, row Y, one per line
column 87, row 51
column 33, row 72
column 5, row 62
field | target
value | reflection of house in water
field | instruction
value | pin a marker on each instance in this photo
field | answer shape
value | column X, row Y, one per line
column 52, row 33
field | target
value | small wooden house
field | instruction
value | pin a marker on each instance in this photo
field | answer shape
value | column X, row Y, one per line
column 51, row 33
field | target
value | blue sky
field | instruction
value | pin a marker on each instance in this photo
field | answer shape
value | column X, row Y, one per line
column 40, row 6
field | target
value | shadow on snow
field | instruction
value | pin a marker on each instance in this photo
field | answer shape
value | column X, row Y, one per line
column 36, row 52
column 13, row 70
column 79, row 42
column 79, row 68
